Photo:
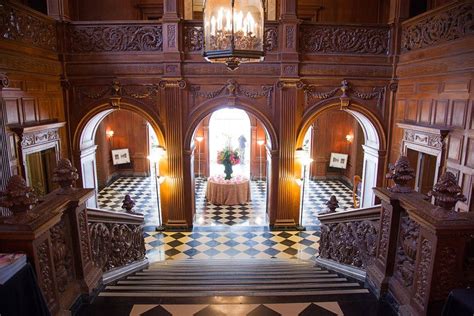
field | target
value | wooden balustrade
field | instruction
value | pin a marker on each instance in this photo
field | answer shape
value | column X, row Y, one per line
column 349, row 240
column 116, row 238
column 422, row 252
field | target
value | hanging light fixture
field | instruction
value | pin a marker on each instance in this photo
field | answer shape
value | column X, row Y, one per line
column 233, row 31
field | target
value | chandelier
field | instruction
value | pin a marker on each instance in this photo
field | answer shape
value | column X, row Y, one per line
column 233, row 31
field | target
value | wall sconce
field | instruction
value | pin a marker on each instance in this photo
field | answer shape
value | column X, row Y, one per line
column 349, row 138
column 110, row 133
column 260, row 142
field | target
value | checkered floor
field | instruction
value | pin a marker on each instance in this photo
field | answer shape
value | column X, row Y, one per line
column 248, row 214
column 254, row 243
column 316, row 195
column 239, row 231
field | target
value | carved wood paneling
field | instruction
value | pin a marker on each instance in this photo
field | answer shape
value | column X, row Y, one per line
column 352, row 242
column 423, row 273
column 344, row 39
column 438, row 27
column 63, row 260
column 24, row 26
column 406, row 251
column 46, row 273
column 115, row 38
column 115, row 245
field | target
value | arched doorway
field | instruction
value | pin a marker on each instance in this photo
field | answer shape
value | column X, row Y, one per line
column 370, row 144
column 114, row 160
column 245, row 134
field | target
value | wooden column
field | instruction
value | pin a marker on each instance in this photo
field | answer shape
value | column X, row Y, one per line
column 176, row 207
column 288, row 191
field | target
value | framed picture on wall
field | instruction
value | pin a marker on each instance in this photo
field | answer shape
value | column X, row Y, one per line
column 338, row 160
column 120, row 156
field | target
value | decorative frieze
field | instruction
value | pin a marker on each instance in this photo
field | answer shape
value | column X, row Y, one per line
column 233, row 88
column 23, row 26
column 314, row 94
column 425, row 139
column 115, row 38
column 344, row 39
column 440, row 26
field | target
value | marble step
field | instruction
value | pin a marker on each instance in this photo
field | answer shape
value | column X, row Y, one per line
column 228, row 281
column 231, row 277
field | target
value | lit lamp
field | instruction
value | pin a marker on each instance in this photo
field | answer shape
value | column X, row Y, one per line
column 260, row 142
column 305, row 160
column 349, row 138
column 199, row 140
column 155, row 158
column 110, row 133
column 233, row 31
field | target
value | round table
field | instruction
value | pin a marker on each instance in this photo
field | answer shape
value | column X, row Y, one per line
column 227, row 192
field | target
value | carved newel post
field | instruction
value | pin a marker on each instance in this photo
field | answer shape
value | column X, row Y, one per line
column 332, row 204
column 379, row 273
column 65, row 175
column 447, row 192
column 18, row 197
column 128, row 204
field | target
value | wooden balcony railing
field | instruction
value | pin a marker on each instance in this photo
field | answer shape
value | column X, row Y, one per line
column 349, row 239
column 116, row 238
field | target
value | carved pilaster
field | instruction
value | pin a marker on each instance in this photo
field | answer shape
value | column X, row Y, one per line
column 287, row 207
column 5, row 172
column 176, row 207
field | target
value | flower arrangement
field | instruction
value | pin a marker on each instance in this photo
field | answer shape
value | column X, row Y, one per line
column 228, row 156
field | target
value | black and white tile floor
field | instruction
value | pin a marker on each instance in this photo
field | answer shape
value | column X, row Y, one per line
column 222, row 232
column 318, row 192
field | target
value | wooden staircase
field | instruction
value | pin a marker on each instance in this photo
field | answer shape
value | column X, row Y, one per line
column 250, row 277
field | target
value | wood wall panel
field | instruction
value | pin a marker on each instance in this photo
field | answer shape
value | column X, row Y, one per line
column 455, row 148
column 458, row 113
column 441, row 112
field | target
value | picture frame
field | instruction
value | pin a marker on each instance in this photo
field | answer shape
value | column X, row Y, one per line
column 120, row 156
column 338, row 160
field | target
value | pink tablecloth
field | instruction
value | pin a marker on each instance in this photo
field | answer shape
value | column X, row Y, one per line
column 227, row 193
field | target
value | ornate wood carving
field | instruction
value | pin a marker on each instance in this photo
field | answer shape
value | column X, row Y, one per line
column 270, row 39
column 233, row 88
column 446, row 278
column 406, row 250
column 344, row 39
column 313, row 93
column 352, row 243
column 438, row 27
column 46, row 274
column 423, row 273
column 401, row 173
column 65, row 175
column 115, row 38
column 83, row 235
column 447, row 192
column 26, row 27
column 63, row 260
column 426, row 139
column 384, row 233
column 18, row 197
column 115, row 245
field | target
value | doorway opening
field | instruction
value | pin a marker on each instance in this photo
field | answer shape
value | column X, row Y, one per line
column 242, row 199
column 425, row 166
column 115, row 161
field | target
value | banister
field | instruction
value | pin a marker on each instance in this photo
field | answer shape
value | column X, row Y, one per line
column 371, row 212
column 100, row 215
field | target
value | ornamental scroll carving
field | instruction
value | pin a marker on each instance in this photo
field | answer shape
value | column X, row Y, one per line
column 448, row 25
column 114, row 245
column 426, row 139
column 352, row 243
column 313, row 93
column 194, row 38
column 22, row 26
column 39, row 138
column 233, row 88
column 446, row 278
column 384, row 234
column 327, row 39
column 423, row 272
column 406, row 250
column 115, row 38
column 63, row 261
column 46, row 277
column 83, row 236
